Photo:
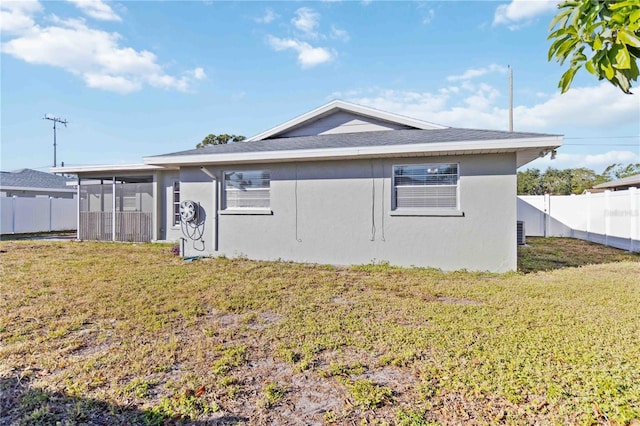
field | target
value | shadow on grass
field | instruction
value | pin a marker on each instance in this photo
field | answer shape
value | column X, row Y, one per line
column 22, row 405
column 55, row 235
column 545, row 254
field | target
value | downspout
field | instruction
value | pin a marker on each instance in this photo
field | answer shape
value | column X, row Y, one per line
column 78, row 211
column 155, row 213
column 217, row 207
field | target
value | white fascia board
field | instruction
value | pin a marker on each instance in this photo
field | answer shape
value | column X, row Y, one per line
column 345, row 106
column 440, row 148
column 106, row 168
column 30, row 188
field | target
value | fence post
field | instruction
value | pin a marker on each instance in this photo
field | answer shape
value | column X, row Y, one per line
column 50, row 213
column 13, row 214
column 588, row 226
column 634, row 216
column 547, row 213
column 607, row 216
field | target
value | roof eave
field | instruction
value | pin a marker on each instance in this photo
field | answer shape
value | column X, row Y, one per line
column 108, row 168
column 533, row 146
column 625, row 181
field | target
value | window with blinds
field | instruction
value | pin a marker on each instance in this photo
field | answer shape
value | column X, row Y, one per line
column 248, row 189
column 176, row 202
column 426, row 186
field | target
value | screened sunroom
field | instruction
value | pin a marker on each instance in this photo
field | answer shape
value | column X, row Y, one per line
column 117, row 208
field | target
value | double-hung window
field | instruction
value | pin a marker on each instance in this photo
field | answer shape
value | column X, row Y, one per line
column 247, row 190
column 426, row 187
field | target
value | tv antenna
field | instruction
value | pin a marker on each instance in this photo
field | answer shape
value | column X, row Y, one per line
column 55, row 120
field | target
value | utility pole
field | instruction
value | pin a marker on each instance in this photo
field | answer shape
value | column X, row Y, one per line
column 510, row 98
column 55, row 120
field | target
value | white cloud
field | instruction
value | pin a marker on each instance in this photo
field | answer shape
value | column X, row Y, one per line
column 409, row 103
column 17, row 16
column 478, row 72
column 520, row 12
column 475, row 105
column 588, row 107
column 198, row 73
column 95, row 56
column 429, row 17
column 308, row 56
column 307, row 20
column 597, row 162
column 268, row 17
column 96, row 9
column 111, row 83
column 593, row 111
column 338, row 34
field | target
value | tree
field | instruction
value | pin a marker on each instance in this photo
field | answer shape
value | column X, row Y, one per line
column 562, row 182
column 219, row 140
column 619, row 171
column 556, row 182
column 583, row 178
column 529, row 182
column 608, row 30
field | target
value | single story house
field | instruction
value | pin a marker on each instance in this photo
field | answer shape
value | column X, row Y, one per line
column 618, row 184
column 33, row 183
column 342, row 184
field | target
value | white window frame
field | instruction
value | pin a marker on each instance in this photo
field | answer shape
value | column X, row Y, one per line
column 425, row 211
column 175, row 206
column 244, row 209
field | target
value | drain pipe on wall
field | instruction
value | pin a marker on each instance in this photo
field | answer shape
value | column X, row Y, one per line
column 216, row 204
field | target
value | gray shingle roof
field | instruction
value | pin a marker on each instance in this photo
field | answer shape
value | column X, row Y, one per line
column 29, row 178
column 628, row 181
column 363, row 139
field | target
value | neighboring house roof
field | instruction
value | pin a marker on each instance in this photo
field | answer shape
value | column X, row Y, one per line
column 623, row 183
column 335, row 107
column 445, row 141
column 34, row 180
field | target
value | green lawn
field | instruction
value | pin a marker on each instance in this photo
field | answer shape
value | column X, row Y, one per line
column 106, row 333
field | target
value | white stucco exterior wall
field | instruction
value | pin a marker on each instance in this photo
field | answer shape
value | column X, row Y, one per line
column 326, row 211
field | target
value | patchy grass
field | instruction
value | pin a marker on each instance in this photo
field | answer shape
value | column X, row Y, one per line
column 105, row 333
column 545, row 254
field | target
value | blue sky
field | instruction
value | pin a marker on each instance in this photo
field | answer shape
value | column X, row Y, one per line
column 145, row 78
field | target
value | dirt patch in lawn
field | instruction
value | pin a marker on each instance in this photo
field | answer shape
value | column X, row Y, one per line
column 96, row 333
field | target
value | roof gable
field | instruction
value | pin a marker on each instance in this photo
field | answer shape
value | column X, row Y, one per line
column 343, row 117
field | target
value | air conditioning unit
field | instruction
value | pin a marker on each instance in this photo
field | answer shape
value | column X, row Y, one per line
column 520, row 233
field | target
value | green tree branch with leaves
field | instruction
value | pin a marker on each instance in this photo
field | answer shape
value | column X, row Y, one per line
column 219, row 140
column 606, row 30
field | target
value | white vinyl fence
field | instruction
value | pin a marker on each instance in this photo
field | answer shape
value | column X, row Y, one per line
column 19, row 215
column 609, row 218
